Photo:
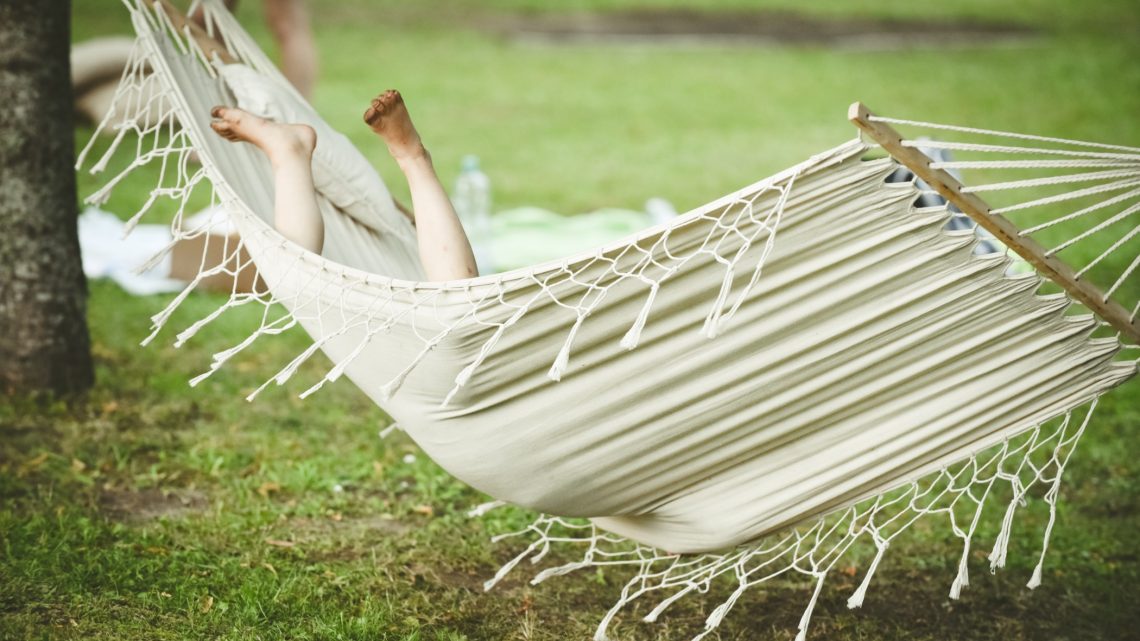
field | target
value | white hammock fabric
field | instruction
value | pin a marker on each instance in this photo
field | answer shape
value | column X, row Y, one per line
column 811, row 352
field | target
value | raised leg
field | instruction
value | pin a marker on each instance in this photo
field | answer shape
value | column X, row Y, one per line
column 444, row 249
column 290, row 152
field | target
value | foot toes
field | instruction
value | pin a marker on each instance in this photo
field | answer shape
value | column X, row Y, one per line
column 231, row 115
column 386, row 100
column 225, row 130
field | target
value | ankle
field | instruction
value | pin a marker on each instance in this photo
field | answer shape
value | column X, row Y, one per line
column 409, row 155
column 288, row 152
column 281, row 158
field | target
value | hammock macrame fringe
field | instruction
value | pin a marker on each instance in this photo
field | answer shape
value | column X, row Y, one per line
column 960, row 493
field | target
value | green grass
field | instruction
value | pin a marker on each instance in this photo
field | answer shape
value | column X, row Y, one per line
column 143, row 510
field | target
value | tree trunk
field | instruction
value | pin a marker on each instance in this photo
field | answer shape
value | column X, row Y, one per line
column 44, row 343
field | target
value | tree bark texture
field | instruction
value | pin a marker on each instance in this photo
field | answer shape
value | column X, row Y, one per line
column 44, row 344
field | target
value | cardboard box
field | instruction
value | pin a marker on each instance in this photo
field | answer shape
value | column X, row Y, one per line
column 209, row 250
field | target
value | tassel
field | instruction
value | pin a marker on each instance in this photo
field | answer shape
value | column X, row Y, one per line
column 721, row 610
column 221, row 357
column 100, row 165
column 392, row 386
column 113, row 111
column 1035, row 580
column 1001, row 545
column 466, row 373
column 806, row 618
column 563, row 359
column 156, row 258
column 201, row 377
column 652, row 616
column 314, row 389
column 450, row 395
column 260, row 389
column 856, row 599
column 181, row 337
column 559, row 571
column 133, row 221
column 560, row 363
column 189, row 332
column 478, row 510
column 712, row 321
column 600, row 633
column 962, row 579
column 1051, row 499
column 510, row 565
column 716, row 616
column 158, row 321
column 337, row 371
column 633, row 336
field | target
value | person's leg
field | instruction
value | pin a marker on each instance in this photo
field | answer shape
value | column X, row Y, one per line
column 290, row 152
column 289, row 22
column 444, row 249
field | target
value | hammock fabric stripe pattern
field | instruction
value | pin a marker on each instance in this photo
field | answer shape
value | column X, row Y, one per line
column 809, row 362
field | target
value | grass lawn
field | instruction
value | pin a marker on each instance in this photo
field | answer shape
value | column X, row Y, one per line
column 150, row 510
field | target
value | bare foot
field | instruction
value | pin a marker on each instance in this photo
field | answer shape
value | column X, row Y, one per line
column 279, row 141
column 389, row 118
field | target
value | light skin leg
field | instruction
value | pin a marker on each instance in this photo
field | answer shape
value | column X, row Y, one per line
column 290, row 152
column 444, row 248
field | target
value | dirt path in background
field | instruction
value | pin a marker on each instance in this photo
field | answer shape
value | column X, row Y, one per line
column 757, row 28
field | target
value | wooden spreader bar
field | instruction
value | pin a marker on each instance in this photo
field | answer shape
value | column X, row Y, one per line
column 1005, row 231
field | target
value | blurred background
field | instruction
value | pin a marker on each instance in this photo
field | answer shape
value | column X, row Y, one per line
column 584, row 104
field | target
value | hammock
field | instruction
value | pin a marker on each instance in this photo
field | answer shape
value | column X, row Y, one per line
column 808, row 362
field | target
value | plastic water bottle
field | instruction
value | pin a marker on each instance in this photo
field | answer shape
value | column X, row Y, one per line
column 660, row 210
column 472, row 201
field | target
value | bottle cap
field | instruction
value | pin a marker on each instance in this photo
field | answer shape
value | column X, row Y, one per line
column 470, row 163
